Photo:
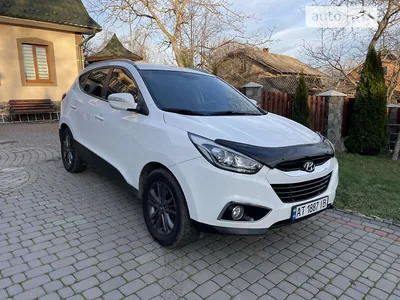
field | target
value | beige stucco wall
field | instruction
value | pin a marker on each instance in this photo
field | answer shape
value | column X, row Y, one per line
column 65, row 53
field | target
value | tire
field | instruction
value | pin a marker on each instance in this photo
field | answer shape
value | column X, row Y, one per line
column 69, row 155
column 162, row 192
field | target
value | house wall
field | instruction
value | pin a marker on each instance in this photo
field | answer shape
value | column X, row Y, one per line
column 65, row 57
column 389, row 65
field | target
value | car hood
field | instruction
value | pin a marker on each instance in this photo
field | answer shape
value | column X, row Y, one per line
column 268, row 130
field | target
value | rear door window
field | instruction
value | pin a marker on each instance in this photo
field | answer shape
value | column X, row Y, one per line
column 95, row 82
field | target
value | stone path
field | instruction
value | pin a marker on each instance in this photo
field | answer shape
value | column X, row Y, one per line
column 82, row 236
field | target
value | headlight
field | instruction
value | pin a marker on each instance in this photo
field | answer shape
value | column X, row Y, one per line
column 223, row 157
column 328, row 142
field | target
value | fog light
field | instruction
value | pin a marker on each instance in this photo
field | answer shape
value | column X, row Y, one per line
column 237, row 212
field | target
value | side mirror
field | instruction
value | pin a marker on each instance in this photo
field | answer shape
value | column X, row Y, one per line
column 122, row 101
column 254, row 102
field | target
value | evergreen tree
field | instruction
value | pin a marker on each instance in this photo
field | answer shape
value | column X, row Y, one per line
column 368, row 130
column 301, row 110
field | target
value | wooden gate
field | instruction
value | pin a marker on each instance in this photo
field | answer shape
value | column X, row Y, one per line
column 282, row 104
column 347, row 110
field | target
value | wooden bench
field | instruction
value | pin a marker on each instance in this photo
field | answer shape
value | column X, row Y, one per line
column 31, row 107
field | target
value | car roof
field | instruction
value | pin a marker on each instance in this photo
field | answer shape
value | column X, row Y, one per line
column 143, row 66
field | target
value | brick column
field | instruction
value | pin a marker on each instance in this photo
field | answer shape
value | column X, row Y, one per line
column 334, row 117
column 253, row 91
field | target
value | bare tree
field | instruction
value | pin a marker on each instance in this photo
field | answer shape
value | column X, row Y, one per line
column 137, row 40
column 188, row 27
column 338, row 50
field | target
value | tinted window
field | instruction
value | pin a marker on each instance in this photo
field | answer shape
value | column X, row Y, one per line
column 195, row 93
column 121, row 82
column 95, row 82
column 82, row 81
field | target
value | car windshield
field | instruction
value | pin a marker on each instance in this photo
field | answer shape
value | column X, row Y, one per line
column 196, row 94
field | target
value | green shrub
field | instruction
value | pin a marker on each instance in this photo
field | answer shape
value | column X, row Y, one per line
column 301, row 110
column 368, row 133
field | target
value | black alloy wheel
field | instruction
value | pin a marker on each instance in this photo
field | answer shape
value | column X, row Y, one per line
column 162, row 208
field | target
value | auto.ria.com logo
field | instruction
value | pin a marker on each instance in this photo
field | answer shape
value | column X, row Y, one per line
column 341, row 16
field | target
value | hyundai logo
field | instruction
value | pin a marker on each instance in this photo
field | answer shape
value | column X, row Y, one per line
column 309, row 166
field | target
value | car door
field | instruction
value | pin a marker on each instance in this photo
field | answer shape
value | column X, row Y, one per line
column 89, row 107
column 118, row 127
column 70, row 107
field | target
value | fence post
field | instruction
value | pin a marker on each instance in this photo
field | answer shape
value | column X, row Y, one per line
column 334, row 117
column 253, row 91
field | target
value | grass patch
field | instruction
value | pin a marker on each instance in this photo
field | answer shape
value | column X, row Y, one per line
column 369, row 185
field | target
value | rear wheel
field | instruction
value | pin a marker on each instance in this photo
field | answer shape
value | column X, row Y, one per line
column 70, row 156
column 165, row 210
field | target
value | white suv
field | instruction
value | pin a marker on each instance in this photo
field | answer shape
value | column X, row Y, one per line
column 197, row 150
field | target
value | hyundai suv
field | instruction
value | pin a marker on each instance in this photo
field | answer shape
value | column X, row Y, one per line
column 197, row 150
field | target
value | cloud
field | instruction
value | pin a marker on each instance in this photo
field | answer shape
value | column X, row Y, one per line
column 287, row 16
column 290, row 40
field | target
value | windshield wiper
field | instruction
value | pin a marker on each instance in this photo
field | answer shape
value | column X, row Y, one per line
column 183, row 111
column 233, row 113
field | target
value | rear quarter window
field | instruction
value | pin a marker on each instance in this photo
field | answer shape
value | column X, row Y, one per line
column 93, row 82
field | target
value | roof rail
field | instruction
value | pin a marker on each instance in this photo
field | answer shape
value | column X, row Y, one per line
column 201, row 70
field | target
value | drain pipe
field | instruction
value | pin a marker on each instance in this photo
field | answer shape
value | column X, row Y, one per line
column 81, row 62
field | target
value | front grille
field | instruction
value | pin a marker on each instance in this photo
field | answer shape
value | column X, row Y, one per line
column 294, row 192
column 295, row 165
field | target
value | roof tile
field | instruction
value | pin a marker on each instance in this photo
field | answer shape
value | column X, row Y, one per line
column 114, row 49
column 67, row 12
column 278, row 63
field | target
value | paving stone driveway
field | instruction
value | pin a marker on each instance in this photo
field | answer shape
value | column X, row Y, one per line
column 82, row 236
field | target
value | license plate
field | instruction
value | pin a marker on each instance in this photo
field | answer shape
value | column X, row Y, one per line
column 309, row 208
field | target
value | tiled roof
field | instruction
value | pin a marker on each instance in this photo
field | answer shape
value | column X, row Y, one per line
column 288, row 84
column 278, row 63
column 62, row 12
column 114, row 49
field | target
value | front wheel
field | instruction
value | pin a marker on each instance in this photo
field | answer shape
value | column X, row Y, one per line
column 70, row 156
column 165, row 210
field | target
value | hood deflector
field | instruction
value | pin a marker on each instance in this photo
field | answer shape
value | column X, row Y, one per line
column 272, row 157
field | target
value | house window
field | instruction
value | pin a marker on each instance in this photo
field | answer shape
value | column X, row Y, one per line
column 36, row 66
column 385, row 70
column 37, row 62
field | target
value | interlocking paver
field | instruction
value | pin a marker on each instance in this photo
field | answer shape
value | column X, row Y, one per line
column 92, row 293
column 132, row 287
column 82, row 236
column 14, row 289
column 206, row 289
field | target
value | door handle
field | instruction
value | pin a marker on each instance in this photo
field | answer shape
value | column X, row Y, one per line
column 99, row 117
column 73, row 106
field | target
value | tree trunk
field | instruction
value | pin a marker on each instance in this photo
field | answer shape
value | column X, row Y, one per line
column 396, row 151
column 382, row 25
column 177, row 52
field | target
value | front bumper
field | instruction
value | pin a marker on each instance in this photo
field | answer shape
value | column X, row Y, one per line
column 208, row 190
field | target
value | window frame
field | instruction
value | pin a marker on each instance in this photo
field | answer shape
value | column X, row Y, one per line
column 35, row 63
column 51, row 63
column 385, row 70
